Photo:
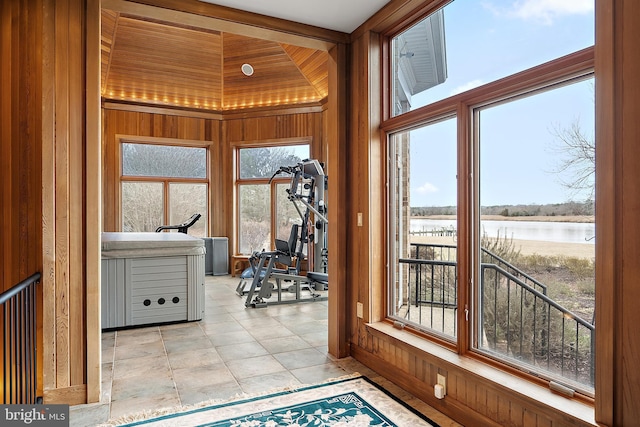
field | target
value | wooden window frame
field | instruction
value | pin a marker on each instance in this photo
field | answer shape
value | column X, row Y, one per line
column 166, row 181
column 562, row 70
column 238, row 182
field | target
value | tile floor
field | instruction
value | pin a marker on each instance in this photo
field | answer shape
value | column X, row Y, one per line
column 232, row 351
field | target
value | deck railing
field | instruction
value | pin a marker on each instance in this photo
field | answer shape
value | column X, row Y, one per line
column 18, row 322
column 517, row 320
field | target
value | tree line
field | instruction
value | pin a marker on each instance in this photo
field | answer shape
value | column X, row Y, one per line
column 551, row 209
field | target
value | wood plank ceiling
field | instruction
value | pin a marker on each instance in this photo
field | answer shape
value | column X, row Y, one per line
column 163, row 64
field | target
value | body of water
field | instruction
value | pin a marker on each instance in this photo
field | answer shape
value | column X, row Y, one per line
column 565, row 232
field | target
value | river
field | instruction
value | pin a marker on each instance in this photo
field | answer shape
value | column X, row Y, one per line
column 564, row 232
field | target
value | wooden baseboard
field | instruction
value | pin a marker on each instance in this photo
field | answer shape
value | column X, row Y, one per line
column 74, row 395
column 450, row 407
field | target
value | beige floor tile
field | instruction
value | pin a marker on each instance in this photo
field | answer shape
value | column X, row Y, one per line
column 268, row 382
column 301, row 358
column 141, row 366
column 254, row 367
column 284, row 344
column 192, row 359
column 241, row 351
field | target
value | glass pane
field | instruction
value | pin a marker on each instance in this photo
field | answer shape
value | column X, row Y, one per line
column 184, row 201
column 286, row 212
column 142, row 206
column 537, row 284
column 164, row 161
column 424, row 194
column 469, row 43
column 263, row 162
column 255, row 218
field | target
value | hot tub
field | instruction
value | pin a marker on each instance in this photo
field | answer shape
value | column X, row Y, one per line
column 150, row 278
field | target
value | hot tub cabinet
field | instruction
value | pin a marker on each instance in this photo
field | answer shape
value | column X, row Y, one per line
column 150, row 278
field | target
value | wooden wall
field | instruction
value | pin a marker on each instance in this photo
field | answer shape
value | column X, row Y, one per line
column 20, row 148
column 122, row 123
column 221, row 132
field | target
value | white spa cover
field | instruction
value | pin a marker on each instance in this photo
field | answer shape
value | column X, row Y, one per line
column 139, row 245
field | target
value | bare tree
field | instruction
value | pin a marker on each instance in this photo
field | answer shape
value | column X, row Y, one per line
column 576, row 159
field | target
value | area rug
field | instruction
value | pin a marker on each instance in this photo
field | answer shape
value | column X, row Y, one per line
column 356, row 402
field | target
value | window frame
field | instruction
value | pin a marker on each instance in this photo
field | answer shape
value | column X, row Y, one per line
column 165, row 181
column 563, row 70
column 238, row 181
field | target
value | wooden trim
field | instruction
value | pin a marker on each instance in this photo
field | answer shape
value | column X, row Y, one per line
column 93, row 200
column 277, row 110
column 465, row 229
column 607, row 213
column 151, row 109
column 73, row 395
column 302, row 140
column 48, row 199
column 336, row 170
column 526, row 394
column 156, row 140
column 396, row 15
column 574, row 66
column 220, row 18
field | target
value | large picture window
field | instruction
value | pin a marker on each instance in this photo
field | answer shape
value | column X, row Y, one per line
column 510, row 169
column 264, row 211
column 163, row 185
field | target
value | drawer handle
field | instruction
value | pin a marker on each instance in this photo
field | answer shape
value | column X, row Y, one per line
column 175, row 300
column 147, row 302
column 161, row 301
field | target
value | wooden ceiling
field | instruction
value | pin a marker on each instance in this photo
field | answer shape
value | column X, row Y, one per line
column 145, row 61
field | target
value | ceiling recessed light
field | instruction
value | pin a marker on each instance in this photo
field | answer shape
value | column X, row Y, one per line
column 247, row 69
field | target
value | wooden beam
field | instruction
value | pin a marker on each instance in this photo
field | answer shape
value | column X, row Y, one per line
column 202, row 15
column 93, row 198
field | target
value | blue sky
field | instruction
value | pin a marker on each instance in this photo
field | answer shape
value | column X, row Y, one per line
column 487, row 40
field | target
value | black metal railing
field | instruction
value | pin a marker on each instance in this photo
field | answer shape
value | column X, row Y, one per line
column 522, row 323
column 518, row 320
column 18, row 321
column 434, row 294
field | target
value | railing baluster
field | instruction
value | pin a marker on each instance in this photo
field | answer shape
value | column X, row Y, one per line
column 19, row 368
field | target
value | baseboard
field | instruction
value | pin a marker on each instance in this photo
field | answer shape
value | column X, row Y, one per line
column 74, row 395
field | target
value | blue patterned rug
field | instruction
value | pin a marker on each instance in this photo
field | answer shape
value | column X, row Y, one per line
column 352, row 402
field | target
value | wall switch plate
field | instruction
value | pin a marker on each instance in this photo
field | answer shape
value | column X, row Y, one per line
column 359, row 310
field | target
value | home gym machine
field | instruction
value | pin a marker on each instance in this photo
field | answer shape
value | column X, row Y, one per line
column 306, row 192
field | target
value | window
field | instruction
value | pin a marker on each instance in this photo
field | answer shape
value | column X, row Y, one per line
column 264, row 212
column 424, row 183
column 516, row 184
column 536, row 277
column 163, row 185
column 468, row 44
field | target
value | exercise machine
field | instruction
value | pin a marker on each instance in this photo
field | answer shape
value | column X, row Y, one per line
column 306, row 192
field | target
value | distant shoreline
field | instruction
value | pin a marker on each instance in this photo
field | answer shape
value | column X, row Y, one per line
column 555, row 218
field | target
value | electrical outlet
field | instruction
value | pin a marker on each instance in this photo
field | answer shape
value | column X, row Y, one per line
column 442, row 380
column 359, row 310
column 359, row 219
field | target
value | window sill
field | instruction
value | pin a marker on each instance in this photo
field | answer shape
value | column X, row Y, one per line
column 501, row 379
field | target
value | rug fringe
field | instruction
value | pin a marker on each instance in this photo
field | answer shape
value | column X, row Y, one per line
column 143, row 415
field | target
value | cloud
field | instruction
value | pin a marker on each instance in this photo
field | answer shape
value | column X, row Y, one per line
column 467, row 86
column 426, row 188
column 544, row 11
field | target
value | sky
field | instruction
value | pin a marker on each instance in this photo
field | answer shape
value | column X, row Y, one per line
column 487, row 40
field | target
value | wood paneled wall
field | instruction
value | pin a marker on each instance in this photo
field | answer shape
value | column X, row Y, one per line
column 20, row 148
column 117, row 123
column 220, row 132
